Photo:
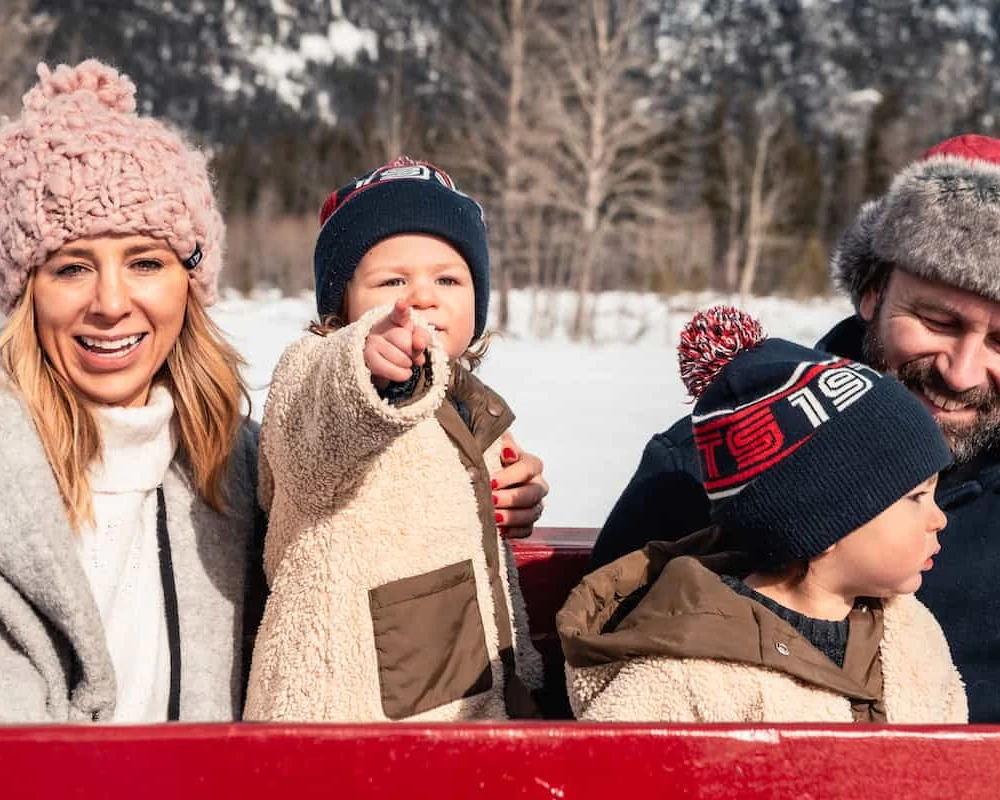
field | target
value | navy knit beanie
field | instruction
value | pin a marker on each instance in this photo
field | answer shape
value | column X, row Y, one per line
column 798, row 448
column 403, row 196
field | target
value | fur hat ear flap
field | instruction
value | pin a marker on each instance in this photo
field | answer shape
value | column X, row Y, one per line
column 854, row 264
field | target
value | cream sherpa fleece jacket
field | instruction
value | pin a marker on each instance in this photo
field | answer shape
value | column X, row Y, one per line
column 365, row 498
column 920, row 684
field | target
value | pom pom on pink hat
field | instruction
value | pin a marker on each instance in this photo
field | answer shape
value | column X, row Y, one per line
column 80, row 163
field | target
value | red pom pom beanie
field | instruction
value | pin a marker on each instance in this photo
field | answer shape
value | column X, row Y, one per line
column 798, row 448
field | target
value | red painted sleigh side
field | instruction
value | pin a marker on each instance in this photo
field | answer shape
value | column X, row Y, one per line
column 560, row 759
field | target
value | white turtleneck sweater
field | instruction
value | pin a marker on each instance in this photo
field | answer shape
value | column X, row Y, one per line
column 120, row 553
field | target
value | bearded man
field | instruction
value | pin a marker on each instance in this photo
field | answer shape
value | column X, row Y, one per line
column 922, row 267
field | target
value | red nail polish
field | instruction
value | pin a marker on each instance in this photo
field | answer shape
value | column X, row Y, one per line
column 495, row 499
column 498, row 517
column 509, row 454
column 494, row 484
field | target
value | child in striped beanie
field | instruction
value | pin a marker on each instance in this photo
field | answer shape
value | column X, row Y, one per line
column 797, row 605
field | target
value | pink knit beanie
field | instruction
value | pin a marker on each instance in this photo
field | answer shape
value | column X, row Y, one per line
column 81, row 163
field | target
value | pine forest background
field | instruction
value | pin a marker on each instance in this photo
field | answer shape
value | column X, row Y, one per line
column 650, row 145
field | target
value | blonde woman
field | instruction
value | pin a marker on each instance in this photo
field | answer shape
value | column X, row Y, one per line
column 128, row 510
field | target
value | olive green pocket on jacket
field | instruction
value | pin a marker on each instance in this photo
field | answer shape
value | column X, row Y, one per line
column 429, row 640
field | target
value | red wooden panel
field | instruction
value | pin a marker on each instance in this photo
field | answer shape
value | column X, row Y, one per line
column 550, row 563
column 575, row 761
column 536, row 760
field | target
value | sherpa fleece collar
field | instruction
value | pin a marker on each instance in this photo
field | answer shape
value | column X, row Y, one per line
column 686, row 611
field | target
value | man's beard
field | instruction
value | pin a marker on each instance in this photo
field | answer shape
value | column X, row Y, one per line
column 965, row 441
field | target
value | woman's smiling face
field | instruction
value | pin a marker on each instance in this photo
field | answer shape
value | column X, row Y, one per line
column 108, row 311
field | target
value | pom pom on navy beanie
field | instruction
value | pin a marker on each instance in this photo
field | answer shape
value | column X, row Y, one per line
column 403, row 196
column 798, row 448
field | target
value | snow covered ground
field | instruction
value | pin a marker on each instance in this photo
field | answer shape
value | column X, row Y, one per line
column 587, row 410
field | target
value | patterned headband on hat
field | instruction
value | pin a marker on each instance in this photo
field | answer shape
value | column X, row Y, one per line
column 80, row 163
column 940, row 220
column 797, row 448
column 403, row 196
column 402, row 168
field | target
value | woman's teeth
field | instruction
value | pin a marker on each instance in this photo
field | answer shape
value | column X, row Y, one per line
column 110, row 345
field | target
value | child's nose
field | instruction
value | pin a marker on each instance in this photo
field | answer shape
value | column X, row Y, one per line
column 938, row 519
column 422, row 296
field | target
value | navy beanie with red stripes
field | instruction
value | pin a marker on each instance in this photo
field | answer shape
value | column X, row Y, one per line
column 403, row 196
column 798, row 448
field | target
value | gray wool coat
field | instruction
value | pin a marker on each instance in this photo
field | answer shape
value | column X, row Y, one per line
column 54, row 662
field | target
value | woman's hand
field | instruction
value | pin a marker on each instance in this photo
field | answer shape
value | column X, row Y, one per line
column 518, row 490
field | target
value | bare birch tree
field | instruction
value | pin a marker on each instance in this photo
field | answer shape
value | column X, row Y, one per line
column 768, row 187
column 762, row 197
column 600, row 159
column 732, row 169
column 494, row 47
column 754, row 187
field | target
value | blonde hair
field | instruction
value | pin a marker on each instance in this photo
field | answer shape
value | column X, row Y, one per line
column 201, row 371
column 470, row 359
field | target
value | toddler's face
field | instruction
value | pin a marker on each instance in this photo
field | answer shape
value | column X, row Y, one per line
column 430, row 273
column 887, row 555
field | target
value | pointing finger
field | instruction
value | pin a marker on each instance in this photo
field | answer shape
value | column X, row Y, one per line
column 400, row 314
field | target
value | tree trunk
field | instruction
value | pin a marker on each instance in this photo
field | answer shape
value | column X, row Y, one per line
column 756, row 222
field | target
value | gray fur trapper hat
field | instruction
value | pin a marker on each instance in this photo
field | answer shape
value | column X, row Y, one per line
column 940, row 220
